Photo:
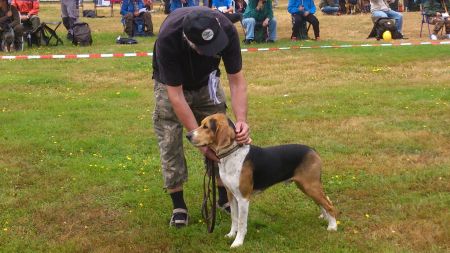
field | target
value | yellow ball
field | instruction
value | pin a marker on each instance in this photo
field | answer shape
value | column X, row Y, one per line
column 387, row 36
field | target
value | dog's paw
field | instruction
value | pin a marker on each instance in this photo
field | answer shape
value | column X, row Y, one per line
column 321, row 216
column 236, row 244
column 230, row 235
column 332, row 228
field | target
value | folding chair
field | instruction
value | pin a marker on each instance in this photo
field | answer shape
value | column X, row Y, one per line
column 425, row 20
column 47, row 34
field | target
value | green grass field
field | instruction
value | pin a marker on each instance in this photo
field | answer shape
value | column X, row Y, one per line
column 80, row 172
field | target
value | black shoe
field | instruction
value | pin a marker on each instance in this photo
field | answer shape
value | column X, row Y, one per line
column 248, row 41
column 270, row 41
column 69, row 36
column 179, row 218
column 149, row 34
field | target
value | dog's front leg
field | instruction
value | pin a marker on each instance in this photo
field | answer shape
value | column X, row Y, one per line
column 234, row 218
column 242, row 222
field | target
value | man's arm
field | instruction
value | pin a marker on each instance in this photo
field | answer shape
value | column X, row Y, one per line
column 181, row 107
column 185, row 115
column 238, row 90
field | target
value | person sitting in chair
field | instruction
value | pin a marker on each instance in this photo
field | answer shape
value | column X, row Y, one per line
column 176, row 4
column 132, row 9
column 11, row 31
column 28, row 10
column 437, row 16
column 380, row 9
column 329, row 7
column 302, row 11
column 227, row 8
column 259, row 13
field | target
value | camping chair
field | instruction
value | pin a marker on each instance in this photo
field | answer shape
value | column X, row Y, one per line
column 47, row 34
column 425, row 20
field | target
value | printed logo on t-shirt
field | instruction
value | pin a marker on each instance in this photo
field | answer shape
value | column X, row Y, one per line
column 207, row 34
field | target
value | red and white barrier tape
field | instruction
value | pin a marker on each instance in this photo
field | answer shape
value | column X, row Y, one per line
column 120, row 55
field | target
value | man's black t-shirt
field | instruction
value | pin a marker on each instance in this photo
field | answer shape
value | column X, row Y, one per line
column 176, row 63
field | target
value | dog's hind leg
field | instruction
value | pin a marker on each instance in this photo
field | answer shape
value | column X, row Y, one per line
column 307, row 178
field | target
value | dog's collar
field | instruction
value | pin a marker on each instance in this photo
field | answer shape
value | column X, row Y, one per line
column 228, row 151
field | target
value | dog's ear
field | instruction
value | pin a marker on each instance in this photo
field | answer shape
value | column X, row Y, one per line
column 225, row 134
column 213, row 124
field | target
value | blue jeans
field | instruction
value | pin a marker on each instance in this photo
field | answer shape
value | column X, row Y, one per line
column 249, row 25
column 391, row 14
column 330, row 10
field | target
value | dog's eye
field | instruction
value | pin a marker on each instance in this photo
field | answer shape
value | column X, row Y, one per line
column 205, row 127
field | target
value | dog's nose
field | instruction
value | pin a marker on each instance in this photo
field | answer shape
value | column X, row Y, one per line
column 189, row 136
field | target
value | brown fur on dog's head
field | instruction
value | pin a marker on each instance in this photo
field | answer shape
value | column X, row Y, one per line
column 215, row 131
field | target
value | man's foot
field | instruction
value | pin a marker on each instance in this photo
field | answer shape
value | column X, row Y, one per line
column 294, row 39
column 179, row 218
column 248, row 41
column 317, row 39
column 149, row 34
column 225, row 207
column 433, row 37
column 270, row 41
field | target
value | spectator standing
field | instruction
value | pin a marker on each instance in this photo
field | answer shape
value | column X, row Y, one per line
column 259, row 12
column 132, row 9
column 69, row 15
column 186, row 56
column 302, row 11
column 379, row 9
column 437, row 15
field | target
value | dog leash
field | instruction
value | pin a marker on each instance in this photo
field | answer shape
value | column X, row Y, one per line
column 209, row 196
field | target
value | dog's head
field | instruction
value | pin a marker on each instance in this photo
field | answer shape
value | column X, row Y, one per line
column 215, row 131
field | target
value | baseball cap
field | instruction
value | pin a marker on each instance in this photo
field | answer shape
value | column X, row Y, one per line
column 202, row 28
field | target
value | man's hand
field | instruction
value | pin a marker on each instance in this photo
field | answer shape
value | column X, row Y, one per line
column 136, row 13
column 306, row 13
column 209, row 153
column 9, row 14
column 265, row 22
column 301, row 8
column 24, row 17
column 242, row 133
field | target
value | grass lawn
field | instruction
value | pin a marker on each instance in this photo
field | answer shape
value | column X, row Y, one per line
column 79, row 165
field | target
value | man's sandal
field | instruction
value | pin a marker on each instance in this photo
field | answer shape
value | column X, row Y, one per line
column 225, row 207
column 179, row 218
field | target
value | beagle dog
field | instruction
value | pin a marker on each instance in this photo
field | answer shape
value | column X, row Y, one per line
column 247, row 169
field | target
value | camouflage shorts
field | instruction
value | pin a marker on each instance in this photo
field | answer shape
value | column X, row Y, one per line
column 170, row 131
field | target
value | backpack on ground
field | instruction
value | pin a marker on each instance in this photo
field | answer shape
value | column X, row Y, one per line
column 81, row 34
column 382, row 25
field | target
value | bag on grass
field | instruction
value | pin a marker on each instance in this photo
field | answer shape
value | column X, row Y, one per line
column 81, row 34
column 121, row 40
column 382, row 25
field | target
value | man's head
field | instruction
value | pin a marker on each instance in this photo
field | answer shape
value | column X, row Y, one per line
column 203, row 32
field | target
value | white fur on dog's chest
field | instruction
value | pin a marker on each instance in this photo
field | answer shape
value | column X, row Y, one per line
column 230, row 168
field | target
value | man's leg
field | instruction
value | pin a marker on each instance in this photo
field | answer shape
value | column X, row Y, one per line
column 249, row 26
column 447, row 28
column 169, row 132
column 315, row 24
column 272, row 29
column 129, row 24
column 398, row 19
column 148, row 23
column 296, row 23
column 18, row 36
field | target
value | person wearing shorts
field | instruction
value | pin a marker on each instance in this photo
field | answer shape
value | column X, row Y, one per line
column 186, row 56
